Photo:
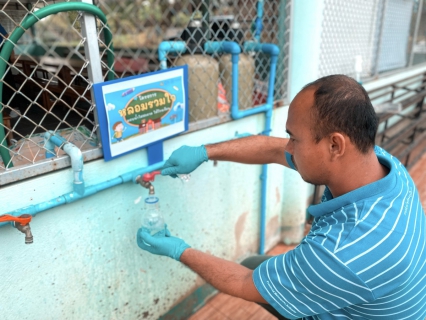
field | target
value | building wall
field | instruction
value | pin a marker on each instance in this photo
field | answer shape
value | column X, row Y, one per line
column 85, row 263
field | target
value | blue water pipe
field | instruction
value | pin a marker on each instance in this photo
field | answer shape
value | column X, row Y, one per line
column 166, row 47
column 273, row 52
column 213, row 47
column 51, row 140
column 234, row 49
column 88, row 191
column 258, row 22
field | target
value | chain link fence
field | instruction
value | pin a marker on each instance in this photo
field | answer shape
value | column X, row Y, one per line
column 48, row 78
column 365, row 38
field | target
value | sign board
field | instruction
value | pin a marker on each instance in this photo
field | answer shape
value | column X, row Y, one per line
column 143, row 110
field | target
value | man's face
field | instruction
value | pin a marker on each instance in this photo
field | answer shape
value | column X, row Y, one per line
column 310, row 158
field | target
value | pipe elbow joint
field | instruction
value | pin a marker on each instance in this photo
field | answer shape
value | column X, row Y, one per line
column 268, row 48
column 77, row 166
column 79, row 188
column 231, row 47
column 170, row 46
column 271, row 49
column 236, row 113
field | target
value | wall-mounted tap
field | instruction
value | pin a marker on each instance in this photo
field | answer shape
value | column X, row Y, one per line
column 146, row 179
column 22, row 223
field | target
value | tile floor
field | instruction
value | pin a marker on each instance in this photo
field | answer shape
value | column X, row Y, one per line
column 225, row 307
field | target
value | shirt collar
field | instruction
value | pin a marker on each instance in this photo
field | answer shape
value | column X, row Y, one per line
column 383, row 185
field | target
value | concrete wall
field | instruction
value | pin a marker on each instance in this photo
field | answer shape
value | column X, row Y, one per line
column 84, row 262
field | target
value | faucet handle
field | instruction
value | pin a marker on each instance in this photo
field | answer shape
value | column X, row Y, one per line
column 150, row 176
column 23, row 219
column 22, row 223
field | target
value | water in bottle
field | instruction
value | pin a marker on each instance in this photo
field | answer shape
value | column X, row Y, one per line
column 153, row 220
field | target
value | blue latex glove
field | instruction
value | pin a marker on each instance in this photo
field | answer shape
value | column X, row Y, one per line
column 162, row 243
column 184, row 160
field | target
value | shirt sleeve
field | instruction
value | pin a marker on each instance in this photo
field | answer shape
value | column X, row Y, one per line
column 309, row 280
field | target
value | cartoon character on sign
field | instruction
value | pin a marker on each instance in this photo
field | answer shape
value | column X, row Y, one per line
column 150, row 125
column 118, row 128
column 142, row 126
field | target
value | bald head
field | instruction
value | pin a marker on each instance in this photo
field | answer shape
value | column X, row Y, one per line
column 342, row 105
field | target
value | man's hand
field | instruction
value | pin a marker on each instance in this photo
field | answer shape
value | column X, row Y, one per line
column 184, row 160
column 161, row 243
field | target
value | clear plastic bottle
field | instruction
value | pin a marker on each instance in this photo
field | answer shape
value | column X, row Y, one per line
column 152, row 220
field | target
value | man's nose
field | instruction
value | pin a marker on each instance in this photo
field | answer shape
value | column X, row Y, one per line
column 289, row 147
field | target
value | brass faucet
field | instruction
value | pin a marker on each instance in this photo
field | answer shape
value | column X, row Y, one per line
column 22, row 223
column 145, row 181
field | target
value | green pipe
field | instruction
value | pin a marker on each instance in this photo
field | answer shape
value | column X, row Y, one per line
column 28, row 22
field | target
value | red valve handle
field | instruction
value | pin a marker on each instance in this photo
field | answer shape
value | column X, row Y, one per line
column 23, row 219
column 150, row 176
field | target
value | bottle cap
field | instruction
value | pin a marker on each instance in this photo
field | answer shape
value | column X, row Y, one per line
column 151, row 200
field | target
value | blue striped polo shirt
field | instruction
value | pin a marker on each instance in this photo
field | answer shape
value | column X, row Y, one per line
column 364, row 257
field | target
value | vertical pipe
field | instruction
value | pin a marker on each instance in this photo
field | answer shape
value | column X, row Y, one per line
column 416, row 31
column 258, row 23
column 169, row 46
column 75, row 155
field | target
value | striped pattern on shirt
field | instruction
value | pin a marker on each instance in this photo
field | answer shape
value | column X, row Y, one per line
column 364, row 257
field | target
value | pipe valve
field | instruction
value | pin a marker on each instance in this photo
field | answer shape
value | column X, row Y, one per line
column 146, row 179
column 150, row 176
column 22, row 223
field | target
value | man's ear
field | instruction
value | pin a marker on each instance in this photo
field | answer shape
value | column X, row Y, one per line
column 337, row 145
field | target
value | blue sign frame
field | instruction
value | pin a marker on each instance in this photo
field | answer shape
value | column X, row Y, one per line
column 142, row 111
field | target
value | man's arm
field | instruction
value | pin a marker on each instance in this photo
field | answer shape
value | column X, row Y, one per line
column 251, row 150
column 226, row 276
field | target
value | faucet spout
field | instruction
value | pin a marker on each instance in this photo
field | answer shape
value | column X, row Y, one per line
column 22, row 223
column 146, row 179
column 146, row 184
column 26, row 230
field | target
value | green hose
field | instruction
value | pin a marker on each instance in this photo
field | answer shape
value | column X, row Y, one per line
column 28, row 22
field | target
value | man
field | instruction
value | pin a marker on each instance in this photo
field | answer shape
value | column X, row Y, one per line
column 365, row 255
